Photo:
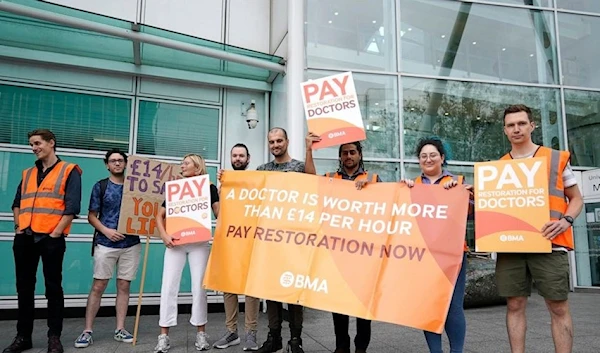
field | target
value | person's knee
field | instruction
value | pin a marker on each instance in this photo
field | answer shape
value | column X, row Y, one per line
column 123, row 285
column 516, row 304
column 558, row 308
column 99, row 286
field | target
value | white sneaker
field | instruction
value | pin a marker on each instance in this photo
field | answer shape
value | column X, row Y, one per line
column 202, row 341
column 164, row 344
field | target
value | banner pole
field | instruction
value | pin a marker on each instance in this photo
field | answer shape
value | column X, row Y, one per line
column 143, row 279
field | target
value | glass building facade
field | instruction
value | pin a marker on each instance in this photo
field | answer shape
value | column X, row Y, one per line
column 449, row 68
column 421, row 68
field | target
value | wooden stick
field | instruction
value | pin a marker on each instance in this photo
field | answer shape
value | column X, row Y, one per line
column 143, row 278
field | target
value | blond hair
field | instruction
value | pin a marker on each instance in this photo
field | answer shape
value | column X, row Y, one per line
column 198, row 162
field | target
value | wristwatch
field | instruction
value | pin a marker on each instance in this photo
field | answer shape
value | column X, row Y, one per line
column 569, row 219
column 16, row 227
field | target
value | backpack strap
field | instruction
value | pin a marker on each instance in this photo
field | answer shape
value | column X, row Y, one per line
column 103, row 185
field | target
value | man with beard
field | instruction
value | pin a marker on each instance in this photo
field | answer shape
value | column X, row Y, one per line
column 240, row 158
column 278, row 145
column 110, row 248
column 351, row 167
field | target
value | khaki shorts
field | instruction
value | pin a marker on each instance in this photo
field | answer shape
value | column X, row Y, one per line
column 550, row 272
column 126, row 259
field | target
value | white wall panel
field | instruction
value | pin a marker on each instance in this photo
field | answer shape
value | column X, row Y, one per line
column 279, row 23
column 203, row 19
column 248, row 24
column 121, row 9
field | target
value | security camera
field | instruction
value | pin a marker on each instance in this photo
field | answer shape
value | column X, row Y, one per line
column 251, row 115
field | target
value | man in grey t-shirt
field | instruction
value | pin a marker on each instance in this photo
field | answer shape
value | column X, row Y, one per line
column 278, row 145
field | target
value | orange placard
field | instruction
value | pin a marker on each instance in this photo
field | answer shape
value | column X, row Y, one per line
column 332, row 111
column 386, row 253
column 511, row 206
column 188, row 210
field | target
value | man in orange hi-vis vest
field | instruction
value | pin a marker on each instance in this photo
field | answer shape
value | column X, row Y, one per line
column 46, row 202
column 550, row 271
column 352, row 168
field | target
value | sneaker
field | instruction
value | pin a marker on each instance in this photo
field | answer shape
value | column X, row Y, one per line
column 202, row 341
column 84, row 340
column 228, row 339
column 271, row 345
column 295, row 345
column 54, row 345
column 250, row 344
column 123, row 335
column 164, row 344
column 18, row 345
column 361, row 350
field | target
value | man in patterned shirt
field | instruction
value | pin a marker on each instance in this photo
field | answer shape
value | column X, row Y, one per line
column 110, row 248
column 278, row 145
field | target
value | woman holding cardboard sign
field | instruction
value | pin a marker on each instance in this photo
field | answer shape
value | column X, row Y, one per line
column 174, row 262
column 432, row 158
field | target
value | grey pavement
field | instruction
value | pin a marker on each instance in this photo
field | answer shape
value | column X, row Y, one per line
column 486, row 332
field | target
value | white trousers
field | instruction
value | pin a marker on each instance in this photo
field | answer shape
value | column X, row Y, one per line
column 174, row 262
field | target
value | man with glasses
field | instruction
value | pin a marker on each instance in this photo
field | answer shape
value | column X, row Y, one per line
column 110, row 248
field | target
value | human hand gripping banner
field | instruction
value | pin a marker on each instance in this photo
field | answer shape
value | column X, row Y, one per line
column 512, row 205
column 188, row 210
column 386, row 252
column 332, row 111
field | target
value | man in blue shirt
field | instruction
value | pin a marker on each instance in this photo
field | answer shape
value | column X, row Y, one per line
column 110, row 248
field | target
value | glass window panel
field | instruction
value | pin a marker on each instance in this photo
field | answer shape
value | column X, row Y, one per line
column 412, row 170
column 579, row 5
column 167, row 129
column 469, row 40
column 579, row 49
column 81, row 121
column 468, row 116
column 378, row 101
column 583, row 127
column 539, row 3
column 351, row 34
column 387, row 171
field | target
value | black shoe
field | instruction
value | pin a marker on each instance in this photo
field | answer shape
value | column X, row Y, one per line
column 19, row 345
column 54, row 345
column 295, row 345
column 272, row 344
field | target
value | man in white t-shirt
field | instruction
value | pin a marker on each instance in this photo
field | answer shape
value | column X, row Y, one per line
column 550, row 271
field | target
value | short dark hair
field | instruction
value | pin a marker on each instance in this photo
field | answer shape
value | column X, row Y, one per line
column 517, row 108
column 358, row 145
column 435, row 142
column 273, row 129
column 113, row 151
column 241, row 145
column 45, row 134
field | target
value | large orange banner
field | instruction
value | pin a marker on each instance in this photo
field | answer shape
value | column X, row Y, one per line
column 387, row 252
column 512, row 206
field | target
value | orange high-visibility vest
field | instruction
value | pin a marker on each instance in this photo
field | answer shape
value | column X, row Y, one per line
column 443, row 180
column 363, row 176
column 42, row 207
column 557, row 162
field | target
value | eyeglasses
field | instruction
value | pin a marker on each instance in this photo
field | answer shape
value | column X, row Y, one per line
column 431, row 156
column 115, row 161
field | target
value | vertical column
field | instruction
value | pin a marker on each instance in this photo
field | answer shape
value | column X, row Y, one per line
column 294, row 77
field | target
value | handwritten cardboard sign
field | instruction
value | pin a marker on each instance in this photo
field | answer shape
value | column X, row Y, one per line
column 143, row 195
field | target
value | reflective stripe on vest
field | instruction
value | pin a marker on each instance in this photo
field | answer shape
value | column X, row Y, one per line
column 41, row 208
column 557, row 162
column 363, row 176
column 446, row 178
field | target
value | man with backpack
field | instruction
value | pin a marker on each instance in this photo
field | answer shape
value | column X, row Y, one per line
column 110, row 248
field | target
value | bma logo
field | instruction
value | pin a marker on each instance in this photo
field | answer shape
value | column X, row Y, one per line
column 336, row 134
column 288, row 279
column 505, row 238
